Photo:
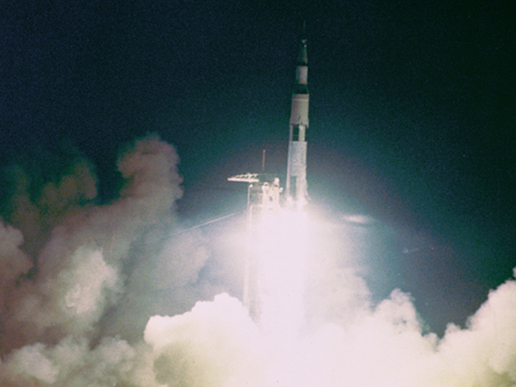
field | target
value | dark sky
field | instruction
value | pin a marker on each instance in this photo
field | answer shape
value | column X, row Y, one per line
column 412, row 116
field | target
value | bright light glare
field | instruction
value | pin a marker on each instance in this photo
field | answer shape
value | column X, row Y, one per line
column 282, row 243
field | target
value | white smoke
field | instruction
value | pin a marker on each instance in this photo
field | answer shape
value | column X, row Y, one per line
column 73, row 298
column 216, row 344
column 101, row 296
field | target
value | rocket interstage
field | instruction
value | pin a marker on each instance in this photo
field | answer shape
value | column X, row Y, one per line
column 296, row 185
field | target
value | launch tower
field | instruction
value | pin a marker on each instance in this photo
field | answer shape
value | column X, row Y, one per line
column 263, row 197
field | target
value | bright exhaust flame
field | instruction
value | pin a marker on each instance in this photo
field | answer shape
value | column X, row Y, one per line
column 282, row 243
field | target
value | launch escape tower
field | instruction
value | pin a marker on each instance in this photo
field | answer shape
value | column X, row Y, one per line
column 263, row 195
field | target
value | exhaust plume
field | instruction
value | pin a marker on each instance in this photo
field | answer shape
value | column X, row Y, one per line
column 108, row 295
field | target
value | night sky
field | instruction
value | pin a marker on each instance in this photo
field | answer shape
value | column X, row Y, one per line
column 412, row 117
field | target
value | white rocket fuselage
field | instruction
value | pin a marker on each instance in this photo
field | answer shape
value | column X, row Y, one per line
column 296, row 186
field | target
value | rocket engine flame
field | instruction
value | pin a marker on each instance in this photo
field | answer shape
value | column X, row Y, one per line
column 282, row 243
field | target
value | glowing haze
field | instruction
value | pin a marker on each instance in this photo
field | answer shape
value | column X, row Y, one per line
column 106, row 296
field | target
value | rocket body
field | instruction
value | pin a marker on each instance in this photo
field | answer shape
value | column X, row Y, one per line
column 296, row 186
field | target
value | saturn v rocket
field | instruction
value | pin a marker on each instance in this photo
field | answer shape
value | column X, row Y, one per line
column 264, row 189
column 296, row 186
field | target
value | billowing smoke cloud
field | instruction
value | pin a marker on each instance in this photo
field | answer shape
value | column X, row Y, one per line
column 102, row 296
column 13, row 260
column 79, row 281
column 216, row 344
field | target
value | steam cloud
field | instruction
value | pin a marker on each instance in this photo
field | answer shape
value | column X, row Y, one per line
column 99, row 296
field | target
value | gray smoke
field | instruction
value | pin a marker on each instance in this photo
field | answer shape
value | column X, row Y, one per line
column 79, row 281
column 102, row 296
